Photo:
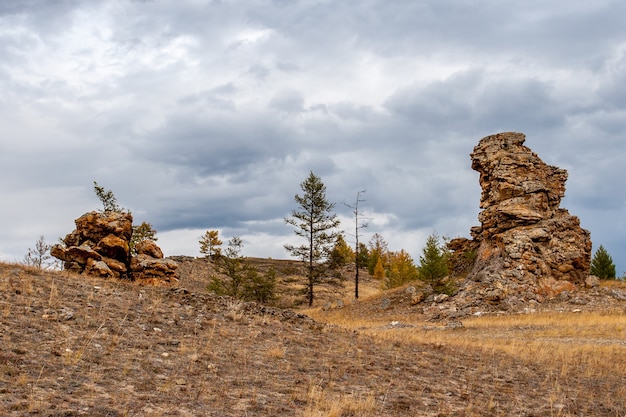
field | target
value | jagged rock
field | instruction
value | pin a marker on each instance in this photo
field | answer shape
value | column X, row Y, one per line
column 100, row 246
column 526, row 246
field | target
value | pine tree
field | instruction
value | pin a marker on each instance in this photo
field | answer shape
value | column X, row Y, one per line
column 315, row 222
column 602, row 264
column 433, row 266
column 363, row 256
column 210, row 243
column 240, row 279
column 144, row 231
column 341, row 254
column 108, row 200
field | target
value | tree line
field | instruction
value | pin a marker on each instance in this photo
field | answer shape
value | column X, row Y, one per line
column 323, row 249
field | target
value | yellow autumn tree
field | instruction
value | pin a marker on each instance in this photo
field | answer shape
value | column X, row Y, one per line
column 341, row 254
column 210, row 244
column 401, row 270
column 379, row 269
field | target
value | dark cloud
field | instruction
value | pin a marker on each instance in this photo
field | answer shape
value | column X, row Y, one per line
column 210, row 114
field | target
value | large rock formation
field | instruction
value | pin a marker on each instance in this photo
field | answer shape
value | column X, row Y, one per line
column 100, row 246
column 526, row 247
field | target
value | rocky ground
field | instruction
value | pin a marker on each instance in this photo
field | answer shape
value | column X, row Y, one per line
column 73, row 346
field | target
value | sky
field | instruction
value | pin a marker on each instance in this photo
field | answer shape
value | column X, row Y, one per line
column 208, row 115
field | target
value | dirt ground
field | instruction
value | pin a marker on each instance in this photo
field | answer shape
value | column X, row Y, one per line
column 73, row 346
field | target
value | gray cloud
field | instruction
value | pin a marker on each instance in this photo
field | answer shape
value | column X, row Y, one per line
column 209, row 114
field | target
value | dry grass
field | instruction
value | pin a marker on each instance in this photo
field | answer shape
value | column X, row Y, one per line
column 582, row 353
column 74, row 346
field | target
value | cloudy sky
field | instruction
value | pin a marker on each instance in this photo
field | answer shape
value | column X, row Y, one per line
column 204, row 114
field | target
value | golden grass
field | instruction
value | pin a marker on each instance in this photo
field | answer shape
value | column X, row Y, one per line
column 593, row 343
column 321, row 404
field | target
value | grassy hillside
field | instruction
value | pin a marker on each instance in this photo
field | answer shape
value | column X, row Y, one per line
column 75, row 346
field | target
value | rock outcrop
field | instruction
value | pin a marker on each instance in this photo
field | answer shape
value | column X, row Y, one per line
column 100, row 246
column 148, row 266
column 527, row 247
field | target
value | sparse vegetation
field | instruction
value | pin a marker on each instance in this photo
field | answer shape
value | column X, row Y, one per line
column 73, row 346
column 39, row 256
column 237, row 278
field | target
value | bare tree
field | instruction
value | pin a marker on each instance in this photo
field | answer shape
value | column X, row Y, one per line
column 358, row 225
column 39, row 257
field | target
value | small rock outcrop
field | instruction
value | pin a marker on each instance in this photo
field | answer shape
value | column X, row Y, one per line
column 100, row 246
column 526, row 247
column 148, row 266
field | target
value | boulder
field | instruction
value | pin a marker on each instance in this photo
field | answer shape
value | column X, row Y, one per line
column 526, row 246
column 100, row 246
column 153, row 271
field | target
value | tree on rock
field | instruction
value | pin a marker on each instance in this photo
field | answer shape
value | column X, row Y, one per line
column 316, row 223
column 107, row 198
column 141, row 233
column 602, row 264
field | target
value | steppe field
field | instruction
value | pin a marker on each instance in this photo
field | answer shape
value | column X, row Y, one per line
column 80, row 346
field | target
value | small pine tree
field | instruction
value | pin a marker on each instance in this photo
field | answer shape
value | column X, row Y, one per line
column 242, row 280
column 210, row 244
column 144, row 231
column 433, row 268
column 315, row 222
column 107, row 198
column 363, row 256
column 341, row 254
column 378, row 250
column 259, row 287
column 602, row 264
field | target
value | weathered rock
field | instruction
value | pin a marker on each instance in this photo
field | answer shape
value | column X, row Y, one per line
column 592, row 281
column 152, row 271
column 148, row 247
column 100, row 246
column 526, row 247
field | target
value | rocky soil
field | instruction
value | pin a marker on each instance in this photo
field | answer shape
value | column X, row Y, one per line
column 80, row 346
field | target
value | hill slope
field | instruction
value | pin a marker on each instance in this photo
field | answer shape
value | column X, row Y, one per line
column 75, row 346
